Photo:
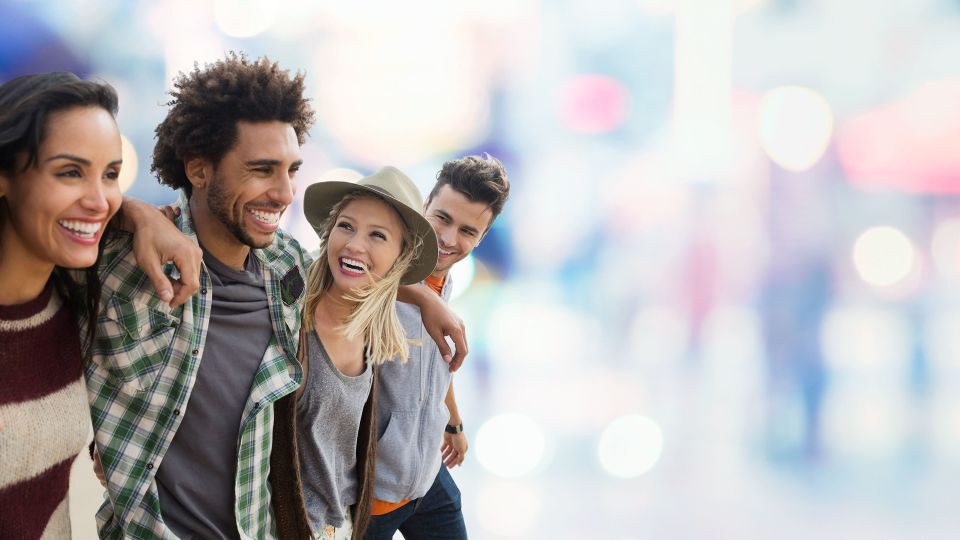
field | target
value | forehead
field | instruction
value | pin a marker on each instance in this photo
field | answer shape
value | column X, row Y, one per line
column 461, row 209
column 266, row 140
column 82, row 131
column 373, row 211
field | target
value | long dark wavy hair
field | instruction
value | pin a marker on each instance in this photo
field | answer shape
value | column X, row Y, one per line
column 25, row 104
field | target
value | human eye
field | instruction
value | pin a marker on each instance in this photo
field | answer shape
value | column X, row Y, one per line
column 112, row 174
column 72, row 172
column 378, row 234
column 344, row 225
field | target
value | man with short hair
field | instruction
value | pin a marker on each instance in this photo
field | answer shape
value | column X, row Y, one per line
column 421, row 432
column 182, row 399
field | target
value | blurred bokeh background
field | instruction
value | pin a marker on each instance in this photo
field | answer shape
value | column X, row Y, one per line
column 722, row 300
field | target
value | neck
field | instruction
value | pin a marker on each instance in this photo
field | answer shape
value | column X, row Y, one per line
column 333, row 310
column 22, row 275
column 215, row 237
column 440, row 274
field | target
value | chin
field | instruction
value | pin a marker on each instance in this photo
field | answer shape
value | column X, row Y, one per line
column 78, row 262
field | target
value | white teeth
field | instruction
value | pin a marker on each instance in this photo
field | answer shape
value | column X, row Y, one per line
column 266, row 217
column 445, row 252
column 353, row 262
column 82, row 229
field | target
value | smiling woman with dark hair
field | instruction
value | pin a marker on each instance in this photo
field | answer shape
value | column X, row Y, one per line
column 59, row 166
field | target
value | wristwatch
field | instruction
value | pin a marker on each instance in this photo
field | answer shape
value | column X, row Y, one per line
column 454, row 429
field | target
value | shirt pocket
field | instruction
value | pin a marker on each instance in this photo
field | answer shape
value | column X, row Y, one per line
column 133, row 341
column 398, row 454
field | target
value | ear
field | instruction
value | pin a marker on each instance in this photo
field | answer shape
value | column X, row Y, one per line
column 199, row 171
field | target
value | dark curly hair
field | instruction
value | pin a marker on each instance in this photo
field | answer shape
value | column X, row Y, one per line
column 207, row 103
column 479, row 179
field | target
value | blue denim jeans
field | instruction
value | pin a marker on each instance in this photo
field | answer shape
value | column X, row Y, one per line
column 435, row 516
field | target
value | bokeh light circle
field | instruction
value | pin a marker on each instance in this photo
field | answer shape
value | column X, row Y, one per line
column 795, row 126
column 630, row 446
column 128, row 171
column 883, row 256
column 595, row 104
column 510, row 445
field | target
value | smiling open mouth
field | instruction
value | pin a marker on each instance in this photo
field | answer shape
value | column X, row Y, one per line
column 266, row 216
column 82, row 229
column 352, row 265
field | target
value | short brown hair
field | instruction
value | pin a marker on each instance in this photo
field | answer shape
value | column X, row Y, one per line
column 208, row 103
column 479, row 178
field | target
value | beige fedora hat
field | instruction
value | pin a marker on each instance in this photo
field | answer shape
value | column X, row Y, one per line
column 397, row 190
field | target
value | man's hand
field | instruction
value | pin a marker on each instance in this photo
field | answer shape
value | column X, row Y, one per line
column 156, row 241
column 440, row 321
column 453, row 449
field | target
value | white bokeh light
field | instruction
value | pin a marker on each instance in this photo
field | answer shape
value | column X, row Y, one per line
column 509, row 509
column 244, row 18
column 795, row 126
column 510, row 445
column 883, row 256
column 630, row 446
column 128, row 171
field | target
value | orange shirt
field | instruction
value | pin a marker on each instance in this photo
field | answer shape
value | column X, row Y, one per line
column 435, row 283
column 379, row 507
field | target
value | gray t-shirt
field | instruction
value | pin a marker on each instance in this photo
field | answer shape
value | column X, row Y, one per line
column 328, row 422
column 196, row 478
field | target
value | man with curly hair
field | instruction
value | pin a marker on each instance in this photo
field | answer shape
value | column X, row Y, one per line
column 183, row 398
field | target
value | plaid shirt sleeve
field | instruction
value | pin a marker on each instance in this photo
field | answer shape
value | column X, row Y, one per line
column 142, row 367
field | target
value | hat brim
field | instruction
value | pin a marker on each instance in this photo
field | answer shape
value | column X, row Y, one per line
column 320, row 198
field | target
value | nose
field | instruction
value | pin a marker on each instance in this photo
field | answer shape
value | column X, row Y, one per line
column 95, row 198
column 284, row 189
column 356, row 244
column 447, row 236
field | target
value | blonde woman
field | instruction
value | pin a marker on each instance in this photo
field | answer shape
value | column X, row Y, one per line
column 373, row 239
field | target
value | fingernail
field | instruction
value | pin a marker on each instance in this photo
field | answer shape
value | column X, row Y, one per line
column 166, row 295
column 176, row 211
column 447, row 358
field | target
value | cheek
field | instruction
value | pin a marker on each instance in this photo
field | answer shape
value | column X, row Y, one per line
column 393, row 252
column 114, row 199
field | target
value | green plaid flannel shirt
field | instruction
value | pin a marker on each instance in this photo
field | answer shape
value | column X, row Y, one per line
column 143, row 365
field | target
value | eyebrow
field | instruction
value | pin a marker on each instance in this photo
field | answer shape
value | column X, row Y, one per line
column 70, row 157
column 80, row 160
column 270, row 162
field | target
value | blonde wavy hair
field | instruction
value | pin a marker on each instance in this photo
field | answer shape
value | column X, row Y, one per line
column 374, row 316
